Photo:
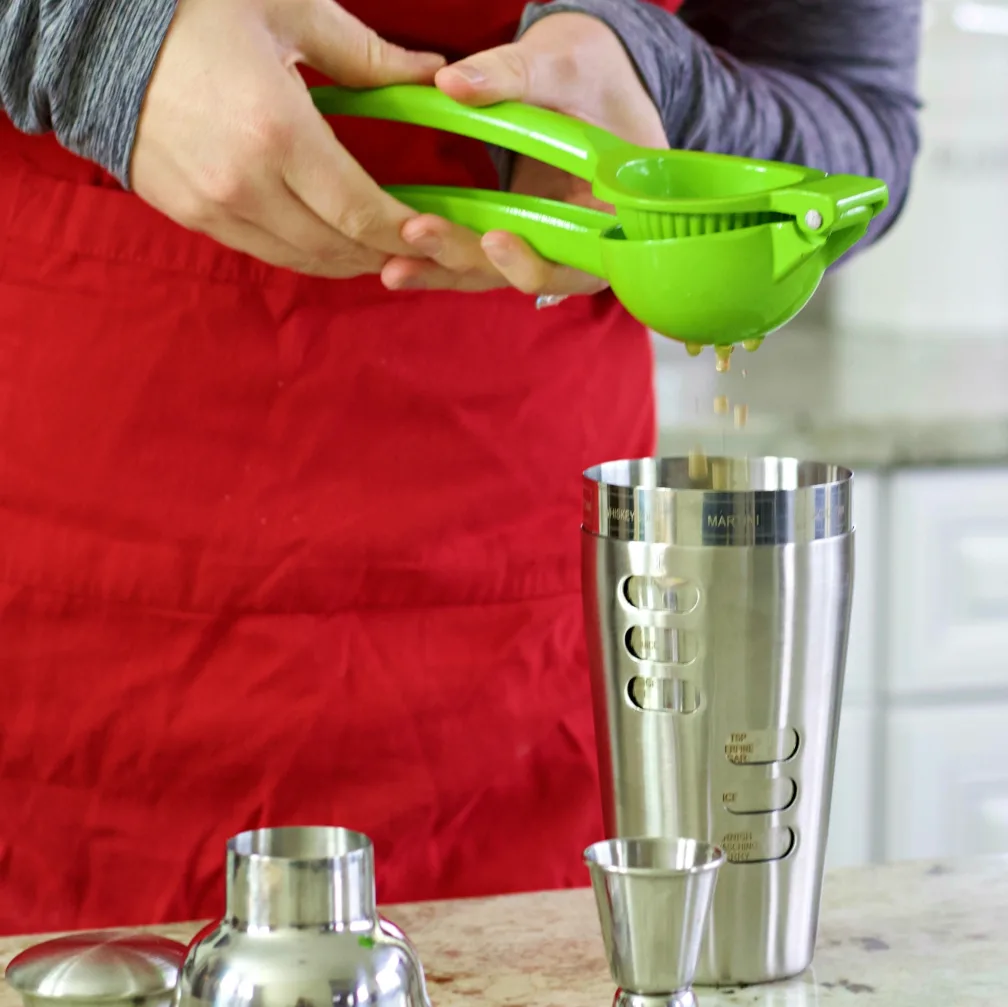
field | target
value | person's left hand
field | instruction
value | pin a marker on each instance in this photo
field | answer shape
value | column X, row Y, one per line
column 571, row 63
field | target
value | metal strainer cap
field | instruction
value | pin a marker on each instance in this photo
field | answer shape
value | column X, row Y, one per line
column 111, row 965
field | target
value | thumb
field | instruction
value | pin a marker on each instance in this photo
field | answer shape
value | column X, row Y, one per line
column 507, row 73
column 337, row 44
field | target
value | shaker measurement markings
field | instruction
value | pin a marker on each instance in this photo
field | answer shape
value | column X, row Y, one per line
column 621, row 514
column 739, row 844
column 733, row 520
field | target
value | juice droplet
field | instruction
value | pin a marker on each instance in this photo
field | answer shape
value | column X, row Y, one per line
column 694, row 349
column 741, row 416
column 723, row 362
column 752, row 345
column 698, row 465
column 721, row 405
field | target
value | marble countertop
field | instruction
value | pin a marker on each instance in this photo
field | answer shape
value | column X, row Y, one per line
column 857, row 399
column 905, row 935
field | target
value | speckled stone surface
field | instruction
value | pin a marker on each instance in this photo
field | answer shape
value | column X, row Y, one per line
column 863, row 400
column 906, row 935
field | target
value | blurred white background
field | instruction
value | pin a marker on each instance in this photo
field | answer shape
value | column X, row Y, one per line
column 899, row 368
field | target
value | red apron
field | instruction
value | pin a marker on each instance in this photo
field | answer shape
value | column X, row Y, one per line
column 278, row 550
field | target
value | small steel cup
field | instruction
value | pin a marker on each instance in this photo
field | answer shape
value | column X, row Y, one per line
column 653, row 897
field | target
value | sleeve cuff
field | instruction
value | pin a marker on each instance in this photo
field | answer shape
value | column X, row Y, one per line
column 106, row 79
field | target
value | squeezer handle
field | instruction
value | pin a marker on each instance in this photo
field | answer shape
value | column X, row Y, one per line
column 559, row 140
column 560, row 232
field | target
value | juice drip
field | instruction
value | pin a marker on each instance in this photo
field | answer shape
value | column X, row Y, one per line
column 720, row 474
column 698, row 465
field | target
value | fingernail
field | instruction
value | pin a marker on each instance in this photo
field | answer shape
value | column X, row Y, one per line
column 471, row 73
column 499, row 253
column 429, row 244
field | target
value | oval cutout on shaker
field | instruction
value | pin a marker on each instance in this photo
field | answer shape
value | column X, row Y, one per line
column 756, row 797
column 754, row 748
column 665, row 695
column 661, row 594
column 758, row 846
column 662, row 644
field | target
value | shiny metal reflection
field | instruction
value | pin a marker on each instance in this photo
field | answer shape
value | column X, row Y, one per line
column 669, row 695
column 735, row 501
column 301, row 928
column 111, row 966
column 653, row 896
column 766, row 547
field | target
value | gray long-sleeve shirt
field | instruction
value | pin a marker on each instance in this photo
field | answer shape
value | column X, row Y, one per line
column 826, row 83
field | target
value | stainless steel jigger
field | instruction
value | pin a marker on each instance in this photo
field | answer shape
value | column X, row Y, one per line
column 653, row 897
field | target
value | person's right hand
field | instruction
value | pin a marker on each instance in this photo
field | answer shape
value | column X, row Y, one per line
column 230, row 144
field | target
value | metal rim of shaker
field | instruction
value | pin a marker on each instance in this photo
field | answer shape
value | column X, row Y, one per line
column 593, row 473
column 717, row 859
column 619, row 510
column 364, row 846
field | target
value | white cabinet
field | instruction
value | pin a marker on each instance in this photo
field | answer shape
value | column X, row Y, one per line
column 947, row 791
column 940, row 272
column 948, row 576
column 855, row 776
column 850, row 835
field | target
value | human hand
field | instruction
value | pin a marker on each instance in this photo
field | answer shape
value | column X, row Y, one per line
column 229, row 142
column 571, row 63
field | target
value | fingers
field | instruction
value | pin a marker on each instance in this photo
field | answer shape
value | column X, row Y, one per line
column 327, row 179
column 500, row 74
column 337, row 44
column 317, row 248
column 531, row 273
column 454, row 259
column 248, row 237
column 459, row 260
column 545, row 71
column 418, row 274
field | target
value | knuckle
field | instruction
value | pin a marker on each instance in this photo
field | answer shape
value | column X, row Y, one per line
column 533, row 282
column 191, row 209
column 267, row 134
column 223, row 186
column 515, row 65
column 339, row 264
column 374, row 50
column 359, row 220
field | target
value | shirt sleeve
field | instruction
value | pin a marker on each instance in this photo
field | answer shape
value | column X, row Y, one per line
column 830, row 84
column 80, row 68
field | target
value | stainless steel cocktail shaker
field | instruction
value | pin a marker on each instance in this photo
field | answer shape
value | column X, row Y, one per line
column 301, row 929
column 717, row 606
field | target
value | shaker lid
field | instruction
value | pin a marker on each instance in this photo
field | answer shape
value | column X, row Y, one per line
column 100, row 966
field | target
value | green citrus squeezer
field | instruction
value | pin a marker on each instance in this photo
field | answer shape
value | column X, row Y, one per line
column 709, row 249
